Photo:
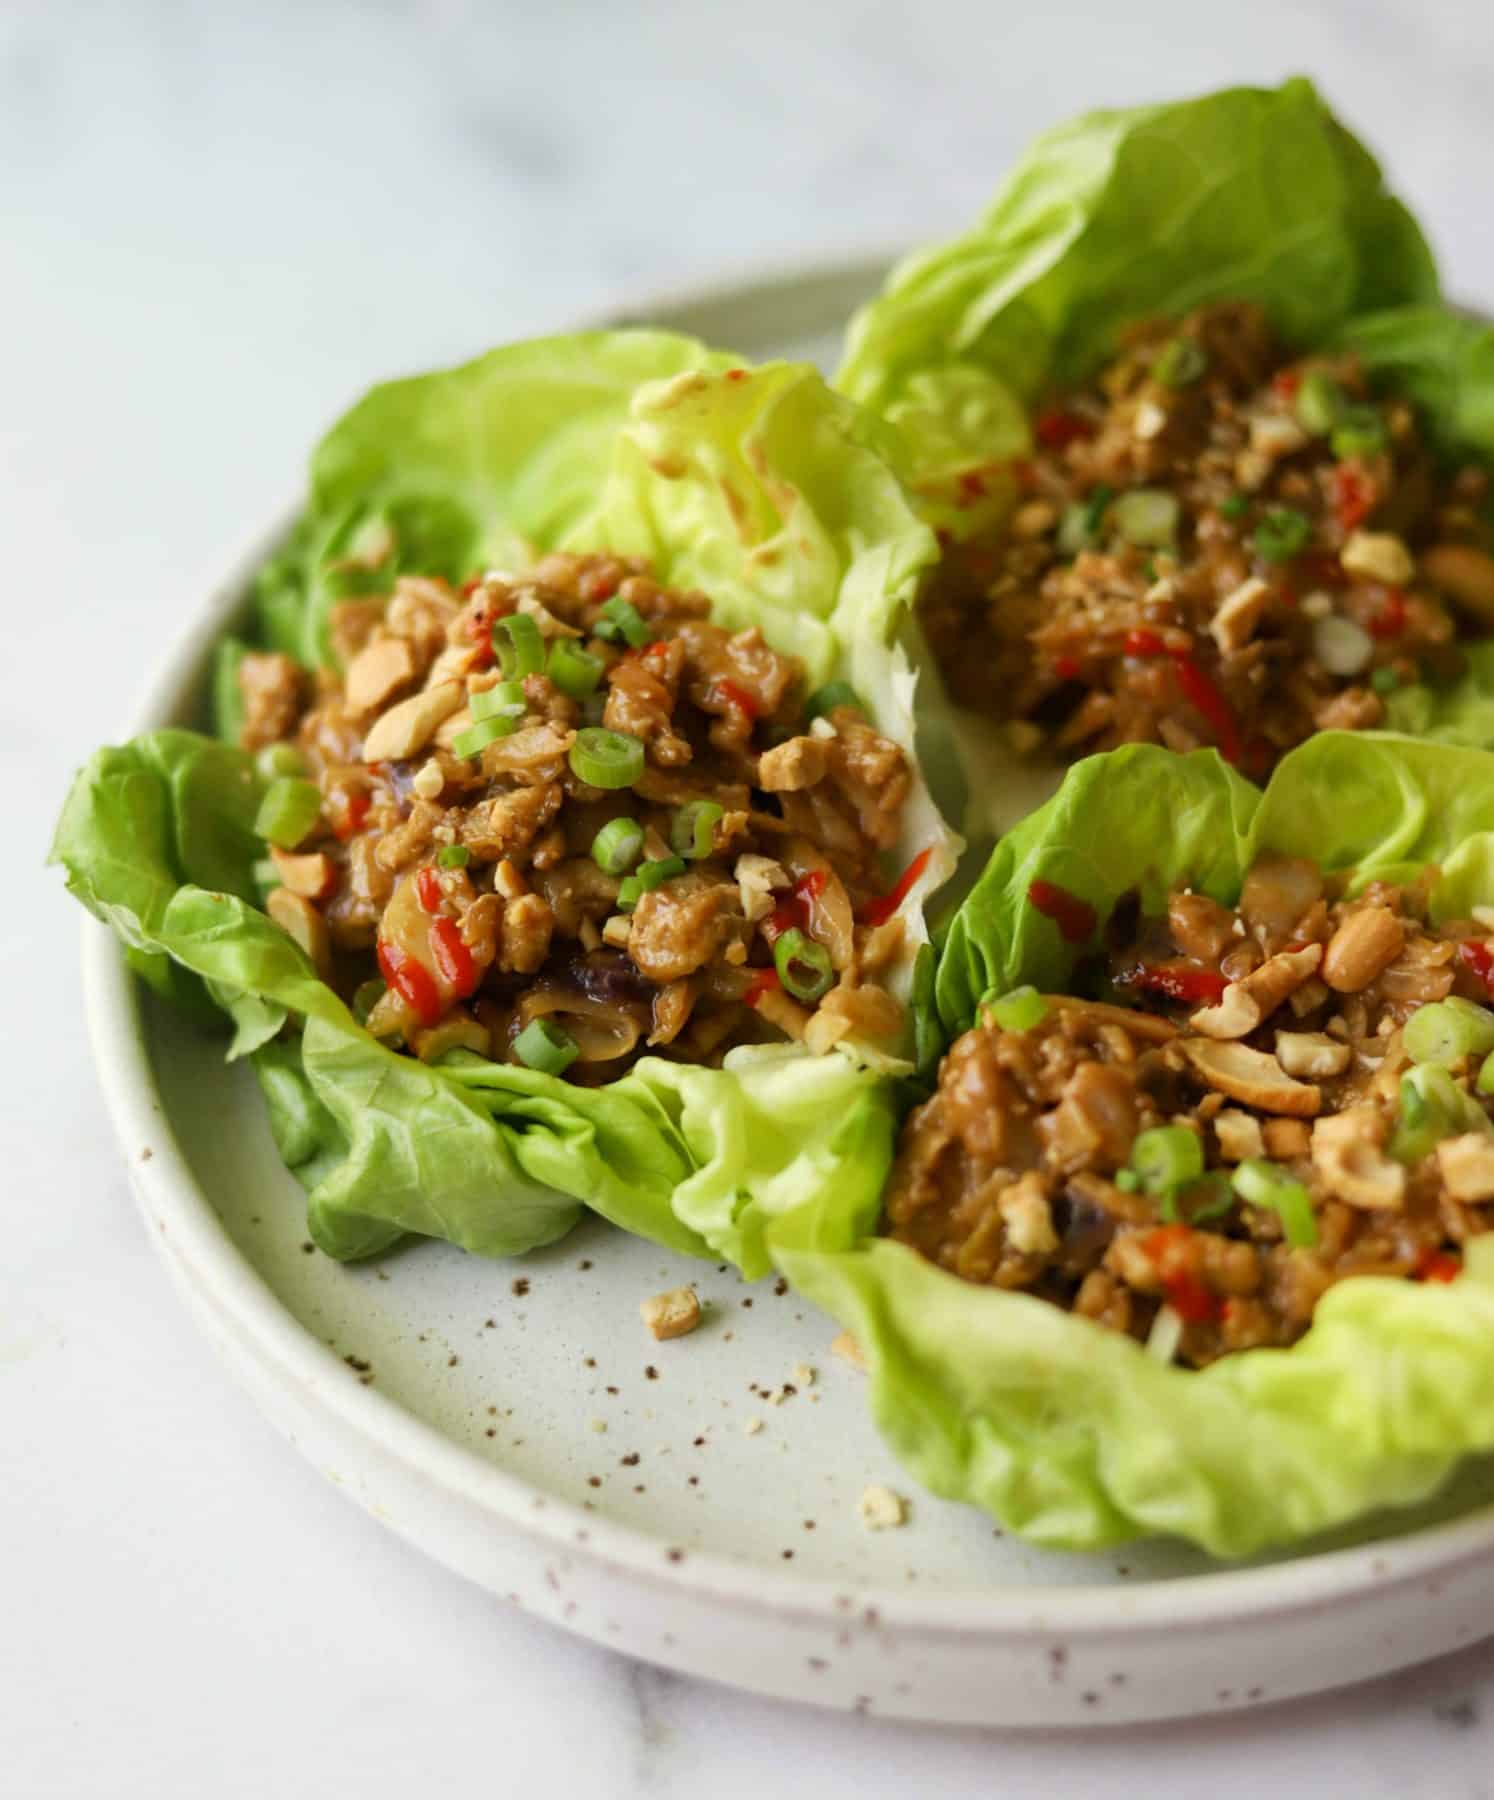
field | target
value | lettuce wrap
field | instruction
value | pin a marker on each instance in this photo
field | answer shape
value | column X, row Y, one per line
column 759, row 486
column 1072, row 1434
column 1249, row 194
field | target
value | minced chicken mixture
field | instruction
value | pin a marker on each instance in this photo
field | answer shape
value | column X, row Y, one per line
column 1267, row 1099
column 562, row 818
column 1215, row 545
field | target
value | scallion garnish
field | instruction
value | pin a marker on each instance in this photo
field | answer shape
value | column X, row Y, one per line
column 620, row 621
column 1167, row 1158
column 692, row 831
column 266, row 875
column 654, row 874
column 1385, row 681
column 548, row 1048
column 1320, row 403
column 1180, row 362
column 476, row 738
column 617, row 846
column 1018, row 1010
column 287, row 812
column 1079, row 528
column 629, row 892
column 453, row 856
column 504, row 700
column 576, row 672
column 519, row 646
column 1281, row 534
column 606, row 759
column 1359, row 431
column 280, row 759
column 803, row 966
column 1234, row 506
column 1447, row 1031
column 832, row 694
column 1147, row 517
column 1267, row 1184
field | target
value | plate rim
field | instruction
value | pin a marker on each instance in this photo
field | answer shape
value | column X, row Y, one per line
column 224, row 1279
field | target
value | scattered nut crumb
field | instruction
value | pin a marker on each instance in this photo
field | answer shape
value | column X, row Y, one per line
column 598, row 1424
column 673, row 1314
column 848, row 1350
column 803, row 1375
column 752, row 1427
column 879, row 1509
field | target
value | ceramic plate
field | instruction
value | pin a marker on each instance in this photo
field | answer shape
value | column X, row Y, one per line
column 695, row 1502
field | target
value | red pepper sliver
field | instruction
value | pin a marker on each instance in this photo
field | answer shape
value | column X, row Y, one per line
column 1390, row 621
column 1143, row 643
column 1437, row 1265
column 1353, row 495
column 809, row 887
column 428, row 889
column 453, row 958
column 348, row 822
column 1478, row 959
column 787, row 916
column 764, row 981
column 1171, row 1248
column 879, row 910
column 1066, row 668
column 1201, row 693
column 1057, row 428
column 1075, row 918
column 736, row 697
column 1285, row 383
column 411, row 980
column 1183, row 982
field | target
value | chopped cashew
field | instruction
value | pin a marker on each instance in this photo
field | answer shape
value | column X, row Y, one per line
column 1465, row 575
column 1311, row 1055
column 312, row 875
column 1349, row 1160
column 1286, row 1139
column 1029, row 1223
column 1233, row 625
column 299, row 919
column 1378, row 556
column 848, row 1350
column 880, row 1509
column 410, row 726
column 1251, row 1077
column 1467, row 1164
column 376, row 672
column 757, row 878
column 1239, row 1135
column 673, row 1314
column 1246, row 1002
column 789, row 767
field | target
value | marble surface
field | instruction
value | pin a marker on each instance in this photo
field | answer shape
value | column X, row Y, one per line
column 221, row 222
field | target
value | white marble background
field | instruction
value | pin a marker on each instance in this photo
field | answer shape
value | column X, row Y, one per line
column 217, row 223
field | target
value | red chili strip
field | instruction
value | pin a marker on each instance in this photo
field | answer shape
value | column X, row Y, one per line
column 1183, row 982
column 1390, row 621
column 1437, row 1265
column 1201, row 693
column 1066, row 668
column 1058, row 428
column 428, row 889
column 788, row 915
column 1171, row 1248
column 1143, row 643
column 348, row 821
column 764, row 981
column 1353, row 495
column 453, row 958
column 411, row 980
column 1478, row 959
column 1075, row 918
column 879, row 910
column 1285, row 382
column 728, row 693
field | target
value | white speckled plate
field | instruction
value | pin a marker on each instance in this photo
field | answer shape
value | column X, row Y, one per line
column 515, row 1421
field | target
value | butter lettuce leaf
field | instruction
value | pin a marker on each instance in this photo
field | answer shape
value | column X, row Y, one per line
column 760, row 486
column 1073, row 1435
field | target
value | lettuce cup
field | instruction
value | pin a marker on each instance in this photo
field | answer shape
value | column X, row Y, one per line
column 1208, row 455
column 1191, row 1236
column 564, row 839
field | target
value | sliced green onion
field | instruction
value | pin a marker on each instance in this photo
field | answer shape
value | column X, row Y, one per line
column 476, row 738
column 692, row 831
column 654, row 874
column 1359, row 431
column 1320, row 403
column 366, row 997
column 519, row 646
column 266, row 875
column 1128, row 1181
column 504, row 700
column 1018, row 1010
column 629, row 892
column 1210, row 1197
column 1180, row 362
column 1167, row 1157
column 1267, row 1184
column 280, row 759
column 1433, row 1107
column 1281, row 534
column 617, row 846
column 287, row 812
column 1147, row 517
column 1079, row 528
column 1234, row 506
column 803, row 965
column 1385, row 681
column 620, row 620
column 1486, row 1076
column 1447, row 1031
column 546, row 1047
column 831, row 695
column 453, row 856
column 606, row 759
column 576, row 672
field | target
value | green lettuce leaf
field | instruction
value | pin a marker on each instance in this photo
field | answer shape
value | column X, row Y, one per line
column 1254, row 194
column 1071, row 1434
column 760, row 486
